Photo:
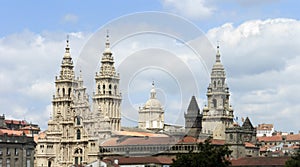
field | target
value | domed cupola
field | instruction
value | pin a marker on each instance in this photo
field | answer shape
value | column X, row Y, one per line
column 151, row 115
column 153, row 103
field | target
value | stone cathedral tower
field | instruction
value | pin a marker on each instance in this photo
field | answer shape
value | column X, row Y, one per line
column 218, row 114
column 107, row 97
column 66, row 142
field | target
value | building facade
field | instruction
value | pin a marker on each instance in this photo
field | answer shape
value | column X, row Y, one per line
column 242, row 140
column 16, row 147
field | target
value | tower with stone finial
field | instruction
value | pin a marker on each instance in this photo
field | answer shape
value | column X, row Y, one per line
column 218, row 114
column 66, row 142
column 107, row 97
column 64, row 84
column 151, row 115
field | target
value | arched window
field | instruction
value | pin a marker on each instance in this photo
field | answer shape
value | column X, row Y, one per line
column 214, row 103
column 58, row 92
column 219, row 83
column 99, row 87
column 78, row 120
column 215, row 84
column 103, row 89
column 78, row 96
column 109, row 86
column 69, row 92
column 115, row 87
column 63, row 91
column 78, row 135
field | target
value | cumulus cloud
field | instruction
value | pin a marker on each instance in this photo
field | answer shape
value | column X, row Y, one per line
column 194, row 9
column 29, row 63
column 261, row 58
column 262, row 63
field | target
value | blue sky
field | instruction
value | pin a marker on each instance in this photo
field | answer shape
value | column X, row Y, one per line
column 259, row 46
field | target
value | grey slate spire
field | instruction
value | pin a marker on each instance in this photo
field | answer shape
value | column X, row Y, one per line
column 193, row 107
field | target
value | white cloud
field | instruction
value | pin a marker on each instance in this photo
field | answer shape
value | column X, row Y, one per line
column 29, row 64
column 194, row 9
column 262, row 60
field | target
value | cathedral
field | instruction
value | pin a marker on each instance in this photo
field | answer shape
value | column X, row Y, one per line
column 79, row 134
column 74, row 131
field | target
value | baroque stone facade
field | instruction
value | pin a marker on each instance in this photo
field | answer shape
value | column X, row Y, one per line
column 74, row 131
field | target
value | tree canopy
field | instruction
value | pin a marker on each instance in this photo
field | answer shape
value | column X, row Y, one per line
column 208, row 155
column 294, row 161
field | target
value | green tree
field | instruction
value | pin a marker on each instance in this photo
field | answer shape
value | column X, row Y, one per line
column 294, row 161
column 207, row 155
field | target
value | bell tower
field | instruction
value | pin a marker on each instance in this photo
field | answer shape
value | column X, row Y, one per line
column 64, row 84
column 218, row 114
column 107, row 97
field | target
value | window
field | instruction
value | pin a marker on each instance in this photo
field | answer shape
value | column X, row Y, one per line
column 214, row 103
column 0, row 162
column 69, row 92
column 7, row 151
column 63, row 91
column 28, row 163
column 8, row 162
column 78, row 134
column 28, row 152
column 103, row 89
column 115, row 89
column 78, row 120
column 16, row 151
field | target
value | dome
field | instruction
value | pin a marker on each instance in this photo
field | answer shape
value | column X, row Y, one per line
column 153, row 103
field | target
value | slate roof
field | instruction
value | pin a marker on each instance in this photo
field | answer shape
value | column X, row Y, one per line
column 247, row 124
column 193, row 107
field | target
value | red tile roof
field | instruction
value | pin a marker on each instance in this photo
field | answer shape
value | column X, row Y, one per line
column 142, row 160
column 139, row 141
column 30, row 128
column 270, row 138
column 294, row 137
column 259, row 161
column 141, row 134
column 11, row 132
column 218, row 142
column 133, row 140
column 247, row 144
column 17, row 122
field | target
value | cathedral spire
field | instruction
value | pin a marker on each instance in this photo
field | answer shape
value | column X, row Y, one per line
column 67, row 71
